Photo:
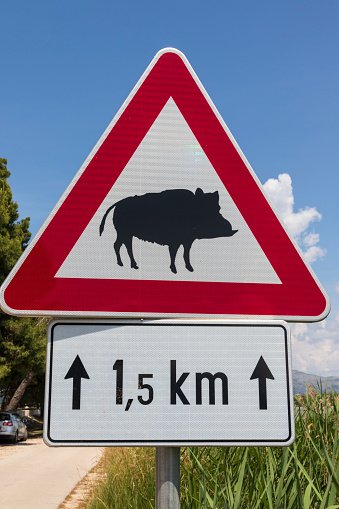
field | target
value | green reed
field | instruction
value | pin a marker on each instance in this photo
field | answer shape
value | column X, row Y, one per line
column 302, row 476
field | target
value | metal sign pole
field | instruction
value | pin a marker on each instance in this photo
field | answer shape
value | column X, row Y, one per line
column 167, row 477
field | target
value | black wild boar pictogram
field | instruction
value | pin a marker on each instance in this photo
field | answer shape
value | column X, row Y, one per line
column 173, row 218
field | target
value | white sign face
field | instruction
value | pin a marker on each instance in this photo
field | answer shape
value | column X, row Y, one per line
column 118, row 383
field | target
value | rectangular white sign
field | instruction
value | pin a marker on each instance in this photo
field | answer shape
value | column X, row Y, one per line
column 137, row 383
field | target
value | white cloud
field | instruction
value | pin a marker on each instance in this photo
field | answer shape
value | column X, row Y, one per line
column 313, row 253
column 315, row 347
column 280, row 192
column 311, row 239
column 298, row 222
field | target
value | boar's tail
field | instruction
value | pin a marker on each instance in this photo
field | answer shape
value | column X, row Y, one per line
column 102, row 224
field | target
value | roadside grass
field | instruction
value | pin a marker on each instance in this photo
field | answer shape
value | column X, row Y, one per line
column 34, row 427
column 35, row 433
column 129, row 482
column 302, row 476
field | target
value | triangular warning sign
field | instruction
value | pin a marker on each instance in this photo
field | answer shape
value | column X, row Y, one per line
column 192, row 235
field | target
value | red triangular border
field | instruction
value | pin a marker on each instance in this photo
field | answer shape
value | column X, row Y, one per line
column 33, row 289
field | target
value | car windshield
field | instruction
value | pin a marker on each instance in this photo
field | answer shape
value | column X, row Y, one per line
column 4, row 417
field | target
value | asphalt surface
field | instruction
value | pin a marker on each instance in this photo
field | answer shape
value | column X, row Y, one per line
column 41, row 477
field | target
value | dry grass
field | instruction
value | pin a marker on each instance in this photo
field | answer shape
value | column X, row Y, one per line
column 85, row 490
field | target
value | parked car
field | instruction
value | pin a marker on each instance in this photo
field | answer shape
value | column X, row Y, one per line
column 12, row 427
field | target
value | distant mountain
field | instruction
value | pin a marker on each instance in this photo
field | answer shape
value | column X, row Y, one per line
column 301, row 379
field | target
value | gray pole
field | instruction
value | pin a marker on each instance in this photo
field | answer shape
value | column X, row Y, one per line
column 167, row 477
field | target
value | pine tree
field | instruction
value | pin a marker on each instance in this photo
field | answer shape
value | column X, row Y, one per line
column 14, row 235
column 22, row 340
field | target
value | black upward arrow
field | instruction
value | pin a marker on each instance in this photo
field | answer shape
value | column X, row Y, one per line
column 77, row 372
column 262, row 372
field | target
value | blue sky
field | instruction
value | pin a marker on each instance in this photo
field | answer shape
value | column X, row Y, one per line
column 271, row 69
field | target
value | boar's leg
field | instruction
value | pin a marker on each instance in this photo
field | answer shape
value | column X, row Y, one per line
column 128, row 244
column 173, row 249
column 117, row 246
column 187, row 248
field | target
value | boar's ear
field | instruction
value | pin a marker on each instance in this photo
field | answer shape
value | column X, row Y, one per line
column 216, row 195
column 199, row 192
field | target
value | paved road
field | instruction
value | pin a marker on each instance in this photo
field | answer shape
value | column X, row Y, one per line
column 40, row 477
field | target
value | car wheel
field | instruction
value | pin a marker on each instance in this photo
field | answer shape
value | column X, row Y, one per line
column 15, row 438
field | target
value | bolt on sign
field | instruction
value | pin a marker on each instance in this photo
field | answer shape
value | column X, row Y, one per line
column 165, row 218
column 205, row 383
